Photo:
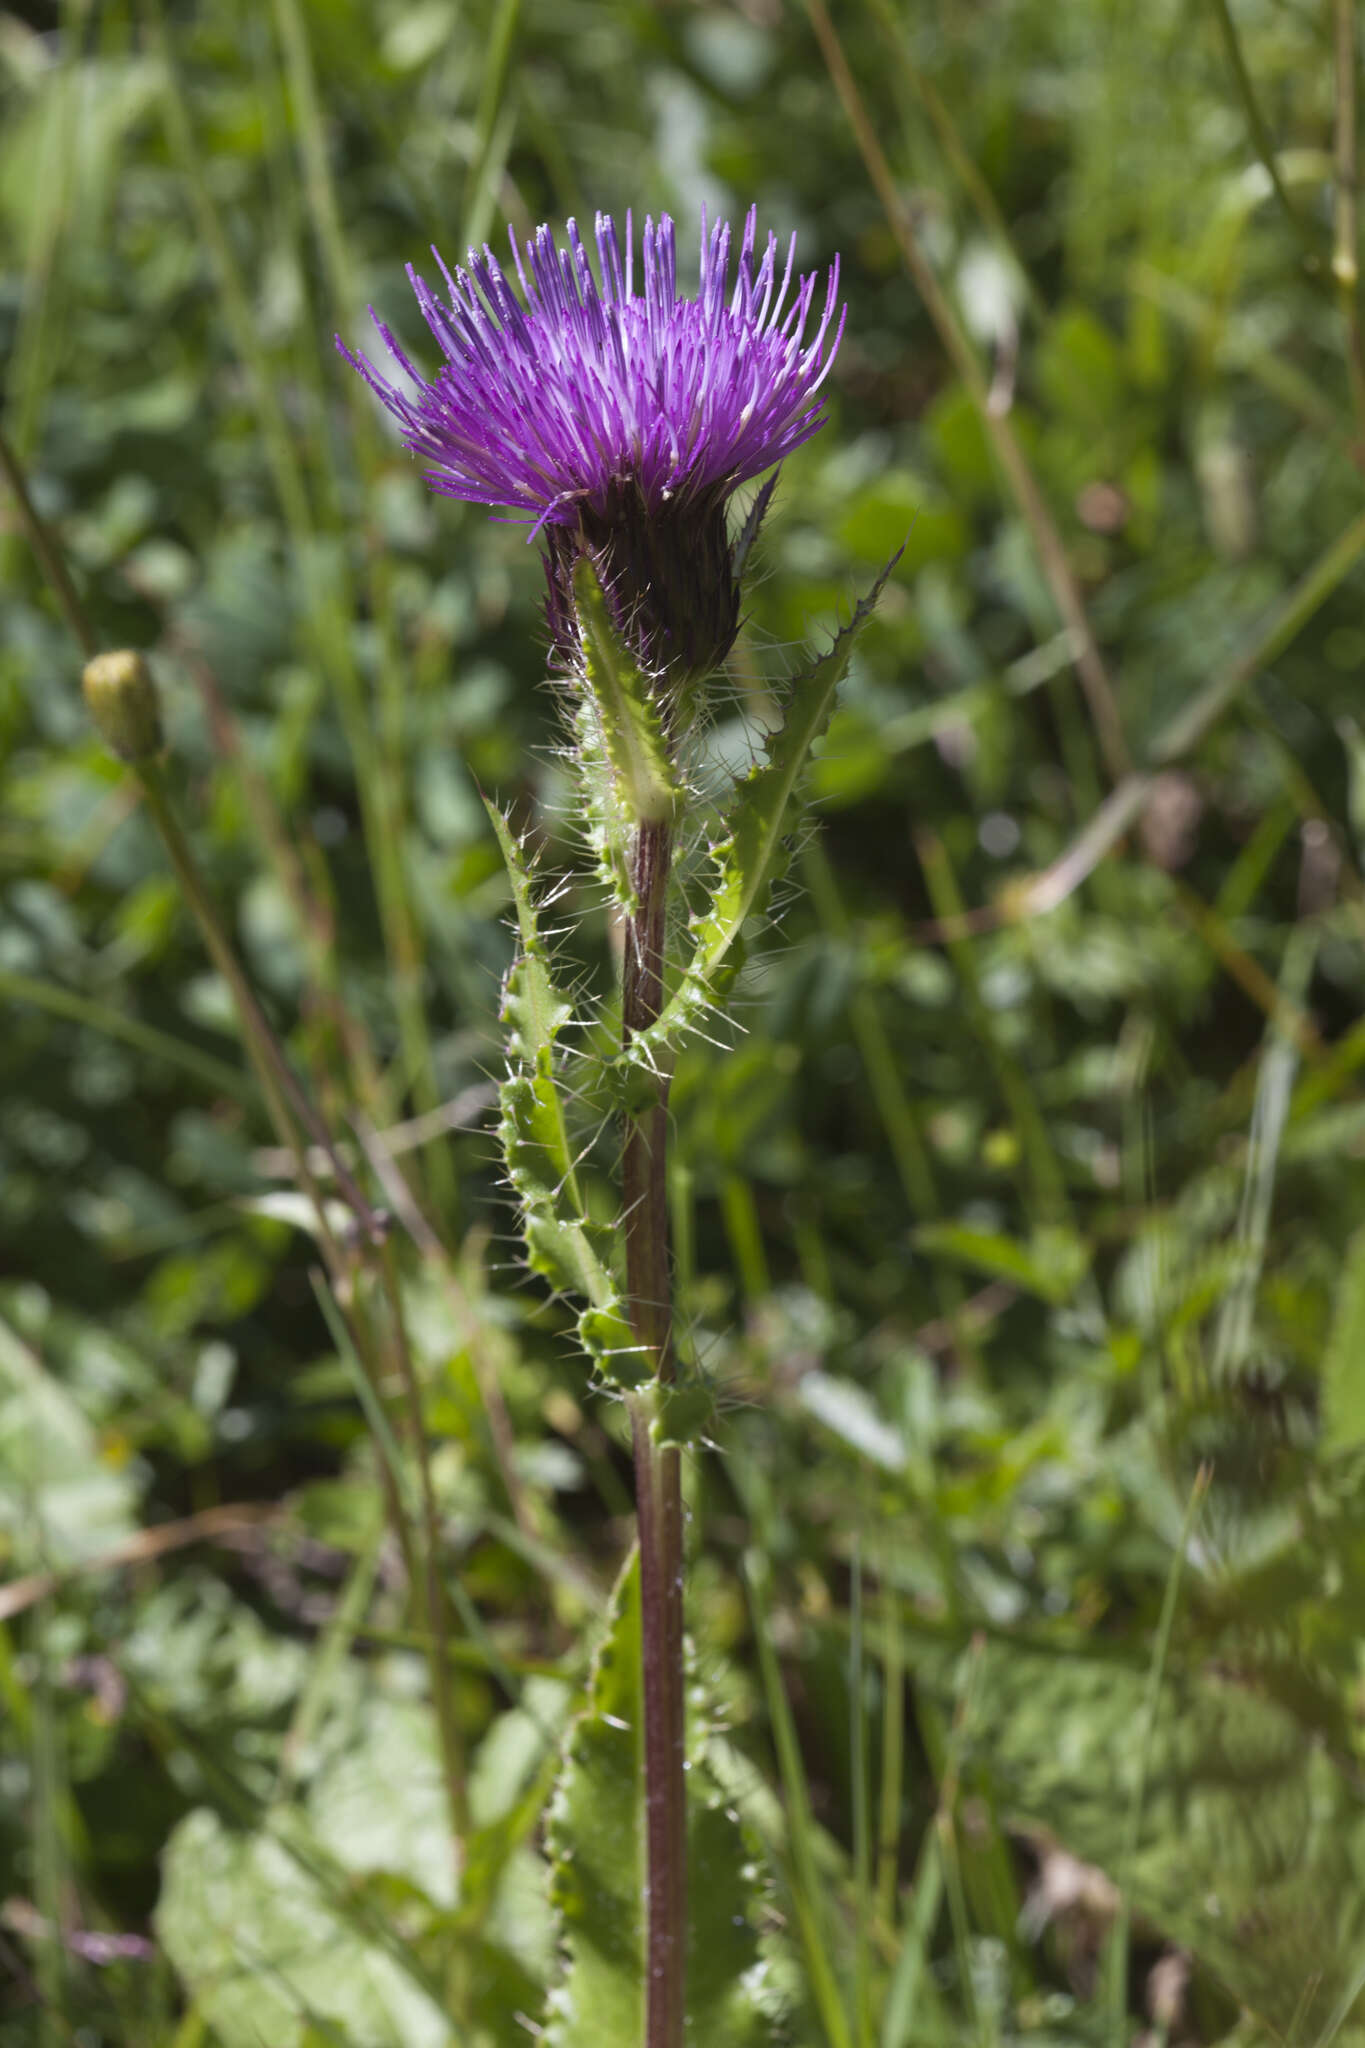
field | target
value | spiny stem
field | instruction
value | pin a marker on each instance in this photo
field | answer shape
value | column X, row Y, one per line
column 658, row 1472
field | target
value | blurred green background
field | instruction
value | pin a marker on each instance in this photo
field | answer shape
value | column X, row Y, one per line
column 1017, row 1206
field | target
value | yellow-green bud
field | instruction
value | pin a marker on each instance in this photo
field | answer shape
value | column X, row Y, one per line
column 123, row 703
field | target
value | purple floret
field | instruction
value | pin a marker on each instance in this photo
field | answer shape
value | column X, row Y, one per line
column 596, row 390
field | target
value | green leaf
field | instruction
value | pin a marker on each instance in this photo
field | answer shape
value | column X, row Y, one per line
column 1052, row 1264
column 751, row 855
column 60, row 1500
column 632, row 735
column 1343, row 1364
column 597, row 1851
column 264, row 1952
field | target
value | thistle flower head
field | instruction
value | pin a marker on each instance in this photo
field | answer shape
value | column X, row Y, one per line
column 617, row 417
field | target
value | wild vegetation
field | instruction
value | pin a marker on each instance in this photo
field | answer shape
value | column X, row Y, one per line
column 1018, row 1209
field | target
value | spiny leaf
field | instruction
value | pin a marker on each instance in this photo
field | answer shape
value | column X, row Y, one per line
column 597, row 1883
column 750, row 857
column 607, row 825
column 535, row 1011
column 748, row 533
column 758, row 818
column 632, row 734
column 683, row 1412
column 562, row 1245
column 558, row 1236
column 606, row 1335
column 532, row 1006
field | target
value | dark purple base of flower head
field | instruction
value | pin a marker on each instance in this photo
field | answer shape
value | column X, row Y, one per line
column 669, row 582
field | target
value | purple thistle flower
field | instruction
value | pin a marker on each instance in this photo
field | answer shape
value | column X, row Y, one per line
column 618, row 419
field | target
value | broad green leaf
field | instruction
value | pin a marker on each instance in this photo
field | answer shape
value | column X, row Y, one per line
column 263, row 1951
column 632, row 735
column 380, row 1807
column 750, row 855
column 597, row 1849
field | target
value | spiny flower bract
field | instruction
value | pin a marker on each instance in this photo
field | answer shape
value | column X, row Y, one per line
column 594, row 389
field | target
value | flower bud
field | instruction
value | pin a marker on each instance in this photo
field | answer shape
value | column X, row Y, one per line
column 123, row 703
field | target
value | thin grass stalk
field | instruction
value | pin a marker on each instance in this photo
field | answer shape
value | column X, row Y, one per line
column 96, row 1016
column 862, row 1810
column 1262, row 140
column 288, row 1103
column 438, row 1631
column 1023, row 486
column 296, row 1122
column 1345, row 224
column 893, row 1753
column 1125, row 804
column 36, row 348
column 381, row 771
column 1132, row 1834
column 956, row 153
column 502, row 1436
column 809, row 1895
column 50, row 557
column 357, row 1351
column 327, row 632
column 493, row 121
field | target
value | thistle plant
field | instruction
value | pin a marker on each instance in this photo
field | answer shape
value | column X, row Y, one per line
column 617, row 418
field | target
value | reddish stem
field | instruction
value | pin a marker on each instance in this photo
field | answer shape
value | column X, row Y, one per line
column 658, row 1473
